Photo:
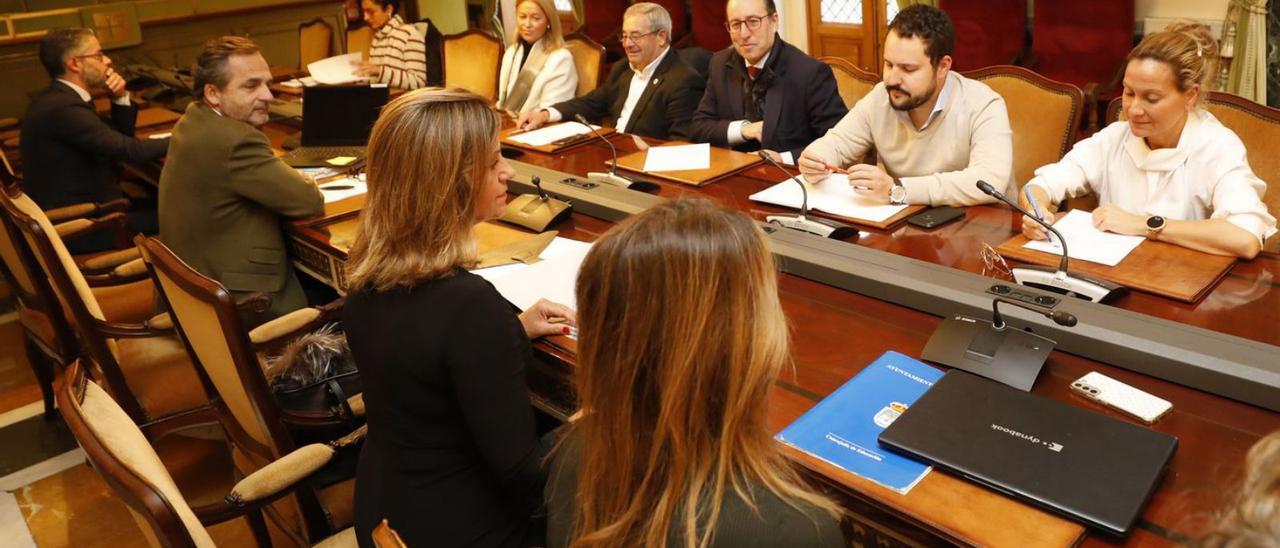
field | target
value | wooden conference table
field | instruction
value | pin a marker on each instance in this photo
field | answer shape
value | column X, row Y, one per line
column 836, row 333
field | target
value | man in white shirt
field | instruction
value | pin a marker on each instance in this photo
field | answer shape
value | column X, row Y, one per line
column 69, row 153
column 937, row 133
column 653, row 94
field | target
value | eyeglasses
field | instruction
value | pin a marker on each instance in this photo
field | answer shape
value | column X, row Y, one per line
column 993, row 265
column 752, row 23
column 100, row 55
column 635, row 37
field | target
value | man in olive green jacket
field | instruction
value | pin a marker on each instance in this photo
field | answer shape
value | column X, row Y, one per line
column 223, row 192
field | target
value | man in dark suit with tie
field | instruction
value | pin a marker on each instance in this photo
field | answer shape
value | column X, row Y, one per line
column 69, row 153
column 653, row 94
column 763, row 93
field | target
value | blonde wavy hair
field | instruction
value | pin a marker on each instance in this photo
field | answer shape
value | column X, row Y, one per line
column 1254, row 521
column 682, row 337
column 427, row 157
column 1190, row 51
column 554, row 36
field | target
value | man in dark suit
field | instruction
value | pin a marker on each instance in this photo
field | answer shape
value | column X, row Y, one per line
column 653, row 94
column 763, row 93
column 69, row 153
column 222, row 192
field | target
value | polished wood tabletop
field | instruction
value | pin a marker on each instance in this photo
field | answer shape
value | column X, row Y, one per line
column 836, row 333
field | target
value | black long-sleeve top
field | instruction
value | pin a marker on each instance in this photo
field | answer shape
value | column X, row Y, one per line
column 452, row 456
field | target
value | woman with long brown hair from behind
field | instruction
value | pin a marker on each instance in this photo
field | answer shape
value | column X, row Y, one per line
column 681, row 339
column 452, row 457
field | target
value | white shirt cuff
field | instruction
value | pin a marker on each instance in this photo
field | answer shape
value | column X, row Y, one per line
column 787, row 159
column 122, row 100
column 734, row 134
column 553, row 115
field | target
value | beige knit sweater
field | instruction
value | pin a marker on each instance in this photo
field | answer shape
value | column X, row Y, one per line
column 968, row 139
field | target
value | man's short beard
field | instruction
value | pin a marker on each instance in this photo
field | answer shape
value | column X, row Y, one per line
column 912, row 102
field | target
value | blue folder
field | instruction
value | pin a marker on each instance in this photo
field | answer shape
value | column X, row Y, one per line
column 843, row 427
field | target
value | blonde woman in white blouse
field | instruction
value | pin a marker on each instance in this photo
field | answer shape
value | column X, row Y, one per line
column 537, row 70
column 1171, row 171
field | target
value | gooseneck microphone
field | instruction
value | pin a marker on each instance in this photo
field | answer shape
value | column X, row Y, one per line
column 803, row 222
column 989, row 190
column 612, row 177
column 1061, row 280
column 1060, row 317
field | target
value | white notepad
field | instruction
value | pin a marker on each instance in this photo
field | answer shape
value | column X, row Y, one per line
column 678, row 158
column 831, row 195
column 549, row 134
column 552, row 278
column 341, row 189
column 1087, row 243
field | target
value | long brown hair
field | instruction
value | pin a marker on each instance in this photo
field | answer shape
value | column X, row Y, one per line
column 427, row 157
column 1188, row 49
column 1254, row 520
column 682, row 336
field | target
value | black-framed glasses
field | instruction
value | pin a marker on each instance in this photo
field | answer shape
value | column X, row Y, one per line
column 635, row 36
column 100, row 55
column 753, row 23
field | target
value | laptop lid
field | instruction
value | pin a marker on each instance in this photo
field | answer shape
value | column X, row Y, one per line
column 1069, row 460
column 340, row 115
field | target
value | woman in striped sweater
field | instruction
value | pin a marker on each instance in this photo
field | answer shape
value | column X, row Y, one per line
column 398, row 54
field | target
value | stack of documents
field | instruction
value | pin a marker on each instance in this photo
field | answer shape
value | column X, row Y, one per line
column 550, row 134
column 339, row 69
column 341, row 189
column 843, row 428
column 678, row 158
column 1087, row 243
column 832, row 195
column 551, row 278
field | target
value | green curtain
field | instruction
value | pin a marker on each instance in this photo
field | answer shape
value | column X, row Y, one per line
column 905, row 3
column 1248, row 76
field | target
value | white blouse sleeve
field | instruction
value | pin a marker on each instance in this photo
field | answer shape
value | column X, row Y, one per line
column 1237, row 192
column 1076, row 173
column 560, row 79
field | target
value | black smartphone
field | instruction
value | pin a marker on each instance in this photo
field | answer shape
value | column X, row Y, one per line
column 935, row 217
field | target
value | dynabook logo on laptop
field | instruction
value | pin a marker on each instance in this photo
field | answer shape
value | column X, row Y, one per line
column 1055, row 447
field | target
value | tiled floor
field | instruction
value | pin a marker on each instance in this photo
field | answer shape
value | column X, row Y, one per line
column 73, row 506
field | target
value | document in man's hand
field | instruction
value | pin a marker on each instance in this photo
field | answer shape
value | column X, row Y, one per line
column 339, row 69
column 842, row 428
column 1087, row 243
column 550, row 134
column 831, row 195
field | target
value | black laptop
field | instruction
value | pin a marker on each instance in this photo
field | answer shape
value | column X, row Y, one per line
column 1066, row 459
column 336, row 121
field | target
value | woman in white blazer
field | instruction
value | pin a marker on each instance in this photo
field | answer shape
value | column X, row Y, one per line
column 1171, row 171
column 537, row 70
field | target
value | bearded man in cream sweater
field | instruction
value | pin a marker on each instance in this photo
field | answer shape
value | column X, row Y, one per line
column 936, row 132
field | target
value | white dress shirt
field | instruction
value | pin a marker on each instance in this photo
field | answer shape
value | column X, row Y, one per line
column 86, row 96
column 639, row 79
column 1207, row 176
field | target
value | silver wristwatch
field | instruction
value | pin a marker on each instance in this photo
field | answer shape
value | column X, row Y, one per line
column 897, row 193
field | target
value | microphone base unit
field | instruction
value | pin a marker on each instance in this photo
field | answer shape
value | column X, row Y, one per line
column 535, row 213
column 814, row 225
column 1007, row 355
column 1082, row 286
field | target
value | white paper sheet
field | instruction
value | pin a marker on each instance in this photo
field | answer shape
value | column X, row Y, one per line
column 339, row 189
column 550, row 134
column 678, row 157
column 831, row 195
column 552, row 278
column 338, row 69
column 1087, row 243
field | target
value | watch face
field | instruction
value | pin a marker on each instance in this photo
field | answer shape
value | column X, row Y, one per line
column 1155, row 222
column 897, row 194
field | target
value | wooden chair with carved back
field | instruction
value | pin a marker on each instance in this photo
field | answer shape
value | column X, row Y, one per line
column 227, row 359
column 588, row 59
column 471, row 60
column 315, row 39
column 138, row 356
column 1257, row 126
column 853, row 82
column 1044, row 115
column 121, row 454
